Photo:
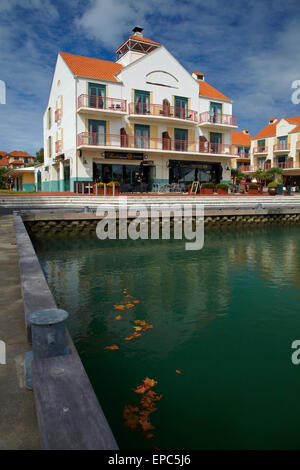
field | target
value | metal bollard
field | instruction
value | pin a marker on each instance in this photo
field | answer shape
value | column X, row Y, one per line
column 49, row 333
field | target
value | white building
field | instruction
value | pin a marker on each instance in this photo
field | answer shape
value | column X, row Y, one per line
column 143, row 118
column 278, row 145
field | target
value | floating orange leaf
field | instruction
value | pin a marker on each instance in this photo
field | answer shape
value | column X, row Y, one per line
column 137, row 328
column 147, row 327
column 119, row 307
column 146, row 385
column 119, row 317
column 149, row 435
column 114, row 346
column 129, row 305
column 178, row 371
column 128, row 296
column 134, row 335
column 131, row 416
column 136, row 301
column 140, row 322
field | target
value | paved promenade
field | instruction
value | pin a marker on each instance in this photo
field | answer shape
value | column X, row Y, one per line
column 18, row 423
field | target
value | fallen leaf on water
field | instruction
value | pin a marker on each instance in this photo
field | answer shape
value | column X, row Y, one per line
column 136, row 301
column 137, row 328
column 146, row 385
column 147, row 327
column 156, row 448
column 178, row 371
column 149, row 435
column 119, row 317
column 129, row 305
column 128, row 296
column 114, row 346
column 131, row 416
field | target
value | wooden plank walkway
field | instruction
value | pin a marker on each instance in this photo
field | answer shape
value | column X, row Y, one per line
column 18, row 422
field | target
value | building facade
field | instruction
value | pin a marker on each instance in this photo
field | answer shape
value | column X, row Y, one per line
column 242, row 139
column 278, row 145
column 141, row 118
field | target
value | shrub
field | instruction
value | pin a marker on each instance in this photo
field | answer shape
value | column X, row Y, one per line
column 223, row 186
column 253, row 186
column 207, row 185
column 111, row 183
column 273, row 184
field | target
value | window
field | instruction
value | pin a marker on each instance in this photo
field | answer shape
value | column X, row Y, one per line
column 49, row 120
column 16, row 158
column 261, row 145
column 180, row 140
column 97, row 132
column 49, row 147
column 26, row 159
column 215, row 142
column 141, row 102
column 97, row 96
column 141, row 136
column 215, row 112
column 181, row 107
column 282, row 143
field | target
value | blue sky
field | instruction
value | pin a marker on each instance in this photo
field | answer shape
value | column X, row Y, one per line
column 249, row 50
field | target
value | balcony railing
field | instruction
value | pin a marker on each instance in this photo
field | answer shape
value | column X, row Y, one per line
column 162, row 110
column 286, row 164
column 138, row 142
column 244, row 167
column 218, row 118
column 101, row 102
column 57, row 115
column 281, row 146
column 58, row 146
column 261, row 149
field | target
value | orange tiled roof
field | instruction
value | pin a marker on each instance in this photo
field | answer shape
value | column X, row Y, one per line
column 4, row 162
column 268, row 131
column 239, row 138
column 209, row 91
column 141, row 39
column 19, row 162
column 19, row 153
column 2, row 154
column 92, row 68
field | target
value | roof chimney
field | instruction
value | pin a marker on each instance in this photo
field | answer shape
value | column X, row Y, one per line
column 272, row 120
column 245, row 131
column 138, row 31
column 198, row 76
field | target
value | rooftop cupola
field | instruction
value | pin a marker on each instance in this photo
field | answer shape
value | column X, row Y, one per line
column 134, row 47
column 272, row 120
column 198, row 76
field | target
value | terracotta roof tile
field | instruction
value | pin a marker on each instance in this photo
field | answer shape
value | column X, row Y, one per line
column 210, row 92
column 90, row 67
column 2, row 154
column 239, row 138
column 4, row 162
column 19, row 153
column 268, row 131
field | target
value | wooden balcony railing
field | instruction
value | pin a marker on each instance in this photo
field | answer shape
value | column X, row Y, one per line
column 162, row 110
column 281, row 146
column 138, row 142
column 244, row 167
column 57, row 115
column 58, row 146
column 101, row 102
column 286, row 164
column 218, row 118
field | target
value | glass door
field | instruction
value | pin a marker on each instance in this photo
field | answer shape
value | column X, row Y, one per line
column 97, row 132
column 216, row 113
column 97, row 95
column 141, row 136
column 181, row 107
column 282, row 143
column 142, row 102
column 180, row 140
column 67, row 177
column 215, row 142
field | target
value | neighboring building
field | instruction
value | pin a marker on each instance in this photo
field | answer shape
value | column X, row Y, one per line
column 3, row 160
column 278, row 145
column 19, row 159
column 143, row 117
column 23, row 178
column 242, row 139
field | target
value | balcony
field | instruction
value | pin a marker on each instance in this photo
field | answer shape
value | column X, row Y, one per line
column 281, row 147
column 162, row 112
column 57, row 115
column 261, row 149
column 245, row 168
column 288, row 164
column 117, row 141
column 96, row 105
column 58, row 146
column 217, row 120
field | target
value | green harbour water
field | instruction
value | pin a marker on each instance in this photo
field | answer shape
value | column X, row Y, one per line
column 224, row 316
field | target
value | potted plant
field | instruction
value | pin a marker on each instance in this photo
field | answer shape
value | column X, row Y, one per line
column 272, row 188
column 109, row 188
column 222, row 188
column 98, row 189
column 207, row 188
column 253, row 189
